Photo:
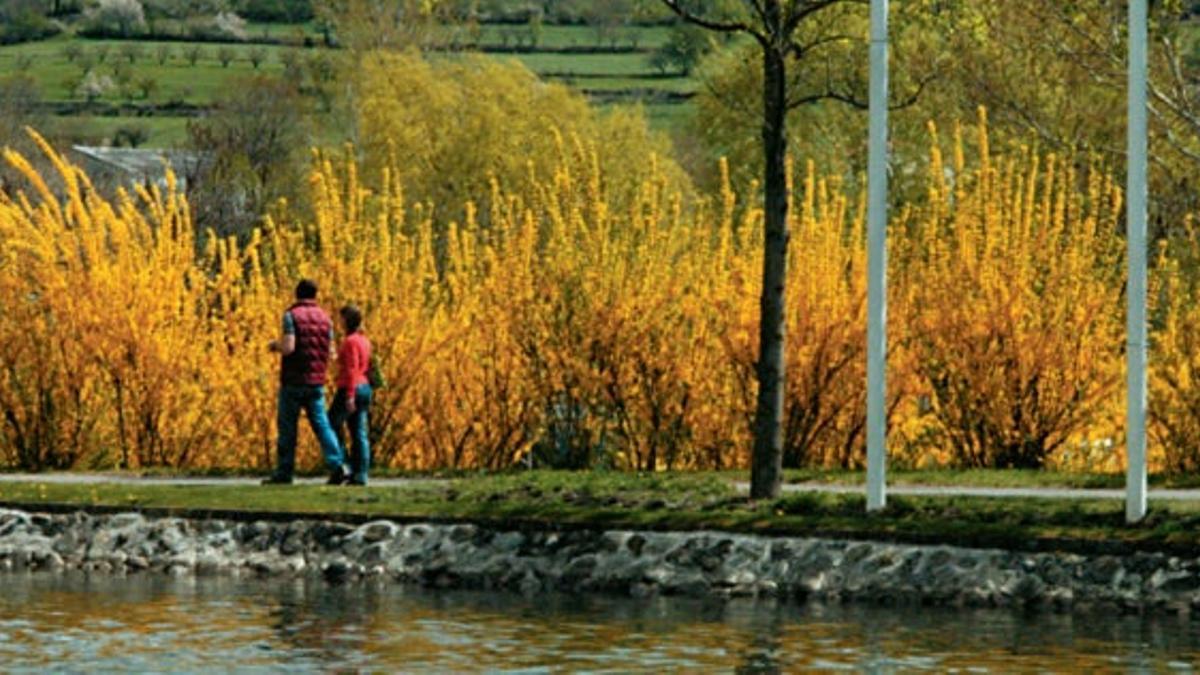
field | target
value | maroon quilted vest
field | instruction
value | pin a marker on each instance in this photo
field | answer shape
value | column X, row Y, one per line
column 306, row 366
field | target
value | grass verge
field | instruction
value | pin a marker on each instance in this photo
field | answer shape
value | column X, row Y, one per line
column 556, row 500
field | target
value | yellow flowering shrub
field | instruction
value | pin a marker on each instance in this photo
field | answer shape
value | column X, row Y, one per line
column 1013, row 276
column 552, row 325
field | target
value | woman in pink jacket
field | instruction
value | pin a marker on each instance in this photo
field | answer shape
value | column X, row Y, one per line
column 353, row 397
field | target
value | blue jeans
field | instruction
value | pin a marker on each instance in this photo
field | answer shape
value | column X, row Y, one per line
column 312, row 401
column 360, row 447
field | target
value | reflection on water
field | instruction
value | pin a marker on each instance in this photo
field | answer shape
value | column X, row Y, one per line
column 159, row 623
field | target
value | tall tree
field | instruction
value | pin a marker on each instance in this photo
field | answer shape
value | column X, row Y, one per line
column 778, row 28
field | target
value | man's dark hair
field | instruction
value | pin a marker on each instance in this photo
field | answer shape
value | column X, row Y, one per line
column 352, row 316
column 306, row 290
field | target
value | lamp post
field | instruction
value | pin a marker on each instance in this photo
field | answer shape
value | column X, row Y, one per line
column 1135, row 189
column 877, row 260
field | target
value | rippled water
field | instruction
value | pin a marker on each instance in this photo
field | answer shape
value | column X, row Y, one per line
column 147, row 622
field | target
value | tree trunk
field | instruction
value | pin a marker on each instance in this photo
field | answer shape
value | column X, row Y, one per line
column 767, row 461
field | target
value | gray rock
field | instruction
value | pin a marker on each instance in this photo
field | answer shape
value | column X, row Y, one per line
column 635, row 563
column 377, row 531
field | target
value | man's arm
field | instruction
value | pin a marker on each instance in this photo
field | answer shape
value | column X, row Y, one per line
column 286, row 344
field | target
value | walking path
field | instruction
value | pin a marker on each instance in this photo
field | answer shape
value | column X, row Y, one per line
column 790, row 488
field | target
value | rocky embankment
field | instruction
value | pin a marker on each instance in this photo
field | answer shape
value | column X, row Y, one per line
column 634, row 563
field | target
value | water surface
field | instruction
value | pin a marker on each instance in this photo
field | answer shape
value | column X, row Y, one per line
column 153, row 622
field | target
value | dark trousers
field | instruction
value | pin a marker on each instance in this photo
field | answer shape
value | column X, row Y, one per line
column 360, row 449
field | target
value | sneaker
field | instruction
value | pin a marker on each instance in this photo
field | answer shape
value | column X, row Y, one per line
column 358, row 481
column 276, row 479
column 338, row 477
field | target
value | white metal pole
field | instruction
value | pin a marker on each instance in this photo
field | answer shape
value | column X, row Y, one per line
column 1135, row 425
column 877, row 188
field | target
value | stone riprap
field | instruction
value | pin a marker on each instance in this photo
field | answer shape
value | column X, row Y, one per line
column 624, row 562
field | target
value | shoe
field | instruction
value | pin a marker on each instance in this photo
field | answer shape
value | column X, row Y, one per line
column 357, row 481
column 276, row 479
column 338, row 477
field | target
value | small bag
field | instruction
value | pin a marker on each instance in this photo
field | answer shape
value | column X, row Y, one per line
column 375, row 375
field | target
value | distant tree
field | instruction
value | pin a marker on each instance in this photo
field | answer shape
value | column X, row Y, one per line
column 123, row 78
column 131, row 136
column 661, row 61
column 683, row 50
column 365, row 25
column 230, row 25
column 123, row 18
column 94, row 85
column 131, row 51
column 321, row 73
column 20, row 100
column 256, row 56
column 320, row 68
column 277, row 11
column 192, row 53
column 289, row 59
column 24, row 20
column 62, row 8
column 634, row 37
column 72, row 51
column 606, row 18
column 85, row 62
column 536, row 30
column 253, row 147
column 101, row 52
column 146, row 86
column 163, row 53
column 225, row 55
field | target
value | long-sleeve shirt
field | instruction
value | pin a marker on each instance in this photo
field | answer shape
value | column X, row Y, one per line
column 354, row 358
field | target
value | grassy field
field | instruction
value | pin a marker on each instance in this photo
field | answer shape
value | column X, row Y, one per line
column 178, row 81
column 613, row 65
column 667, row 117
column 162, row 131
column 1022, row 478
column 663, row 501
column 576, row 36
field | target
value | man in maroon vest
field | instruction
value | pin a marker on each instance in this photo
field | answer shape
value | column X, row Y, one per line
column 306, row 346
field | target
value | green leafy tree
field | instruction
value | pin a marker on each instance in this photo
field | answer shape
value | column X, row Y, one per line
column 683, row 50
column 792, row 36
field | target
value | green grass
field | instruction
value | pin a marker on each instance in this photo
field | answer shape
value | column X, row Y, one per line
column 163, row 131
column 673, row 84
column 283, row 31
column 608, row 64
column 665, row 501
column 200, row 84
column 666, row 117
column 177, row 78
column 1017, row 478
column 576, row 36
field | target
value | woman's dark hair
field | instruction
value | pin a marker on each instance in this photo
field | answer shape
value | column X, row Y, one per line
column 306, row 290
column 352, row 316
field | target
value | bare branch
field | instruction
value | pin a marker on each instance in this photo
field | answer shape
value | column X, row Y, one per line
column 799, row 10
column 831, row 93
column 719, row 26
column 799, row 50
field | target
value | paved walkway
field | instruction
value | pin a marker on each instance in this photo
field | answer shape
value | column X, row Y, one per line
column 914, row 490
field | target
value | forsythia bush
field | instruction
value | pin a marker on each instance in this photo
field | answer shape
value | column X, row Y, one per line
column 1014, row 278
column 550, row 325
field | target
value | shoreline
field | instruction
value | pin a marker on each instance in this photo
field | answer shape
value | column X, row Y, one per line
column 637, row 563
column 1061, row 545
